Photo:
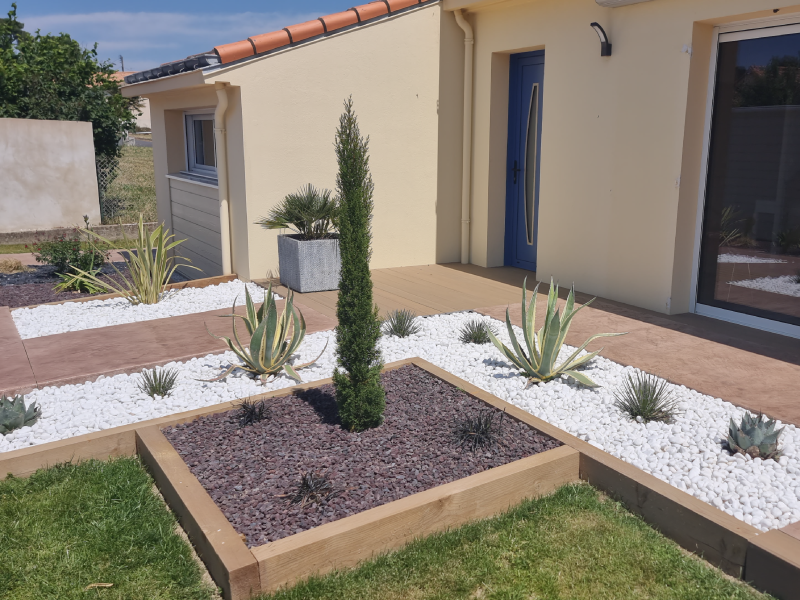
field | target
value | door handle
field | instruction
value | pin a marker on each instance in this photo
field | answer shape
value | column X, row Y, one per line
column 515, row 171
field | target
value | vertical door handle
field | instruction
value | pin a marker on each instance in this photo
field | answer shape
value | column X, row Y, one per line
column 516, row 170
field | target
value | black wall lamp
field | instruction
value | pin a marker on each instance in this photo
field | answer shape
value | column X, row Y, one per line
column 605, row 45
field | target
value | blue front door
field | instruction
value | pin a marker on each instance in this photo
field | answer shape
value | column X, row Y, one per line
column 524, row 146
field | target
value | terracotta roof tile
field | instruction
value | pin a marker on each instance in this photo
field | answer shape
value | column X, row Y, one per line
column 306, row 30
column 398, row 4
column 231, row 52
column 296, row 33
column 371, row 10
column 339, row 20
column 269, row 41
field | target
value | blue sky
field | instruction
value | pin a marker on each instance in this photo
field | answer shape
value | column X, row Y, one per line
column 149, row 32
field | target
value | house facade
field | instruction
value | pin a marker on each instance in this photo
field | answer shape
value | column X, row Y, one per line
column 644, row 150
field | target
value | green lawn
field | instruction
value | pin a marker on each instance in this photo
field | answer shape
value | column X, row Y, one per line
column 572, row 545
column 133, row 190
column 69, row 526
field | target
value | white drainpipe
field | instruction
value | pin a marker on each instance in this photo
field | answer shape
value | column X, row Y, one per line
column 222, row 176
column 466, row 161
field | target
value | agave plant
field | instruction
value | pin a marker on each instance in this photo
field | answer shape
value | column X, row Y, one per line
column 539, row 362
column 273, row 338
column 756, row 437
column 14, row 415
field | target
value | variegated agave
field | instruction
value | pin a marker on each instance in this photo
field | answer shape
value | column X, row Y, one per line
column 539, row 362
column 14, row 415
column 273, row 339
column 756, row 437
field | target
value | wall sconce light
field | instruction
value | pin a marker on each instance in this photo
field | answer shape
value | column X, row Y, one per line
column 605, row 45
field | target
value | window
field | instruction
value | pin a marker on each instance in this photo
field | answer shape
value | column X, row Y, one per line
column 201, row 158
column 750, row 254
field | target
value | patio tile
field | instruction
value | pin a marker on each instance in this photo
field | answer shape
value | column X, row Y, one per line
column 792, row 530
column 16, row 374
column 79, row 356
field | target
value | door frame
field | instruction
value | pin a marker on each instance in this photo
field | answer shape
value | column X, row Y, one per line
column 779, row 26
column 512, row 134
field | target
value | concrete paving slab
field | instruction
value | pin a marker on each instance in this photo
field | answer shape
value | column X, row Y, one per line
column 793, row 530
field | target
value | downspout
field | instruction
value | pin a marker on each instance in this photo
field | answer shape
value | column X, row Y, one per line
column 222, row 176
column 466, row 159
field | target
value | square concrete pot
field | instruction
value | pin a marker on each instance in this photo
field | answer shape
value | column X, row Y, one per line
column 310, row 265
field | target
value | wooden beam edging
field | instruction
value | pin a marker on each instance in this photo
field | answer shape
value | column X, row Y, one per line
column 769, row 561
column 228, row 560
column 192, row 283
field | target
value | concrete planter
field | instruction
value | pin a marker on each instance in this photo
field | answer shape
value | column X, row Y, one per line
column 310, row 265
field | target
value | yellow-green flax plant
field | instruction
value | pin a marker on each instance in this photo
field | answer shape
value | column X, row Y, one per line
column 150, row 265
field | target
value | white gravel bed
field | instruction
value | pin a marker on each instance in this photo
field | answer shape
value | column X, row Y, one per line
column 785, row 284
column 77, row 316
column 747, row 258
column 687, row 453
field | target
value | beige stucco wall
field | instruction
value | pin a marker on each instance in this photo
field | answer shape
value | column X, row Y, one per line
column 291, row 102
column 48, row 174
column 621, row 139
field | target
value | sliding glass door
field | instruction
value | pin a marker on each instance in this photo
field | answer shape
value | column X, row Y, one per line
column 750, row 252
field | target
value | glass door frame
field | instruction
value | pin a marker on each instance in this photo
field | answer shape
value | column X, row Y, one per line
column 758, row 28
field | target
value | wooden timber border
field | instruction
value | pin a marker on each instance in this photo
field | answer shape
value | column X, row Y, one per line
column 768, row 561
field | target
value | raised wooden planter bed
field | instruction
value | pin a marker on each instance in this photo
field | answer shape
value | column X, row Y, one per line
column 770, row 562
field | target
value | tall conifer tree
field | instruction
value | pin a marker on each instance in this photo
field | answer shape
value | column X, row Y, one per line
column 359, row 393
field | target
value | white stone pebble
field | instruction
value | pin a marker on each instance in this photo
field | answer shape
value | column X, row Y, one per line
column 687, row 453
column 77, row 316
column 785, row 284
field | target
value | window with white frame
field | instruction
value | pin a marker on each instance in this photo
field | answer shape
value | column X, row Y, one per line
column 201, row 158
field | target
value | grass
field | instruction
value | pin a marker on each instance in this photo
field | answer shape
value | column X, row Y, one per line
column 70, row 526
column 573, row 544
column 134, row 188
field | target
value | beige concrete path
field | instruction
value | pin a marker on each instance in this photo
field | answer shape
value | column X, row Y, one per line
column 79, row 356
column 28, row 258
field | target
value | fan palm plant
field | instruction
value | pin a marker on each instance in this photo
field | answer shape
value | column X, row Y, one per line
column 273, row 339
column 539, row 362
column 312, row 213
column 149, row 263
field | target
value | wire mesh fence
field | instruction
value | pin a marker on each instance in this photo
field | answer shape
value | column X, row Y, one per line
column 126, row 186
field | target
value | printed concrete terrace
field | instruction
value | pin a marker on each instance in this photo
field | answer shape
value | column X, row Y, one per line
column 753, row 369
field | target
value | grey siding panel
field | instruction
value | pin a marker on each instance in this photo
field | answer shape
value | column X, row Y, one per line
column 195, row 218
column 195, row 231
column 209, row 267
column 196, row 201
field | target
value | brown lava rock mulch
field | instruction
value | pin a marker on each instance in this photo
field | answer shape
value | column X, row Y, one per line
column 250, row 471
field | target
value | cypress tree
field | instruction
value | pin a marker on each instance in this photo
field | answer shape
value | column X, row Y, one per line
column 359, row 393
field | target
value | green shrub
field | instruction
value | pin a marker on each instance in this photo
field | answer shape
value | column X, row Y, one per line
column 401, row 323
column 310, row 212
column 359, row 394
column 647, row 397
column 539, row 362
column 65, row 252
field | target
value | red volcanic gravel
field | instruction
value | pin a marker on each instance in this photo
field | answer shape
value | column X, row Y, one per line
column 250, row 471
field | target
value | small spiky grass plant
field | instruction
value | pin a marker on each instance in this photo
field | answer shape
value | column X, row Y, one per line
column 312, row 489
column 480, row 430
column 646, row 396
column 401, row 323
column 250, row 412
column 476, row 332
column 158, row 382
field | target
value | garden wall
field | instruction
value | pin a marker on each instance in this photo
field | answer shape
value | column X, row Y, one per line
column 49, row 177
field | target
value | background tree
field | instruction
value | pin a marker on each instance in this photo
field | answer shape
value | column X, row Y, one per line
column 52, row 77
column 359, row 393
